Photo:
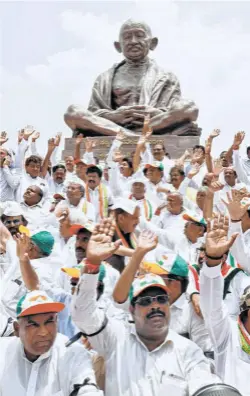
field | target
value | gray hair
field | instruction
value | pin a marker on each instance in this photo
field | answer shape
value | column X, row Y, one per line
column 137, row 24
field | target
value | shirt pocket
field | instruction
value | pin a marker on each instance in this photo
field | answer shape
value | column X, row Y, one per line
column 174, row 385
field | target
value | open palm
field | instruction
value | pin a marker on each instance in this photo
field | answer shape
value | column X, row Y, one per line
column 217, row 242
column 100, row 246
column 147, row 241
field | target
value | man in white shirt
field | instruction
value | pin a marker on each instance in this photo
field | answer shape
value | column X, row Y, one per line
column 31, row 177
column 36, row 362
column 231, row 339
column 97, row 193
column 139, row 195
column 76, row 202
column 57, row 181
column 9, row 176
column 146, row 357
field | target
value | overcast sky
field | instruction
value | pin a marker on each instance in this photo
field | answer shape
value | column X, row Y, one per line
column 51, row 53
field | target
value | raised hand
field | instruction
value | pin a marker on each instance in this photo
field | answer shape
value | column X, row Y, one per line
column 20, row 135
column 100, row 246
column 51, row 144
column 120, row 135
column 79, row 139
column 35, row 136
column 235, row 207
column 193, row 171
column 238, row 139
column 58, row 138
column 28, row 131
column 89, row 145
column 215, row 133
column 22, row 245
column 147, row 241
column 217, row 242
column 7, row 160
column 218, row 168
column 3, row 137
column 216, row 186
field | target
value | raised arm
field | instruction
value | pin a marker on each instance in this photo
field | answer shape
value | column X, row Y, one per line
column 212, row 283
column 208, row 149
column 240, row 170
column 146, row 242
column 45, row 165
column 85, row 312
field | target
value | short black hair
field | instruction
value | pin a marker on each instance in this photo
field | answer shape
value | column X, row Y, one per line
column 198, row 146
column 248, row 149
column 244, row 316
column 33, row 158
column 59, row 166
column 94, row 169
column 178, row 169
column 129, row 162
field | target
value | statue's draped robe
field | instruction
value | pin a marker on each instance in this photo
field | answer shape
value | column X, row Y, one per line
column 159, row 89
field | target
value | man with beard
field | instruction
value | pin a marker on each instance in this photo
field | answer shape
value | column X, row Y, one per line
column 145, row 358
column 36, row 361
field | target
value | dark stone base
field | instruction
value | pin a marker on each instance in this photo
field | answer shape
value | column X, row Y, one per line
column 175, row 145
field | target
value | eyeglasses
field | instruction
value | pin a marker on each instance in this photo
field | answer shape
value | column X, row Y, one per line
column 162, row 299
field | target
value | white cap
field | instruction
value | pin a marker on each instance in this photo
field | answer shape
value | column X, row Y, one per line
column 142, row 180
column 12, row 209
column 125, row 204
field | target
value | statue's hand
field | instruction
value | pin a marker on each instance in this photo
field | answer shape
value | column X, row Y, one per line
column 121, row 116
column 142, row 111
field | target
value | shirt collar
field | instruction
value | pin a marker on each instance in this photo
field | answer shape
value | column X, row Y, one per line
column 41, row 357
column 179, row 303
column 168, row 342
column 38, row 205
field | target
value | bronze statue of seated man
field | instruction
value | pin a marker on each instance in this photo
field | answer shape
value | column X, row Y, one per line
column 123, row 95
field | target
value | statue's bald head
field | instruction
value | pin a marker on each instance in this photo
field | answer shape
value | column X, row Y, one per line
column 135, row 40
column 131, row 23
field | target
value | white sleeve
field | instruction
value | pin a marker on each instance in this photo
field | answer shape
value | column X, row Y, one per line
column 115, row 146
column 214, row 312
column 90, row 319
column 240, row 250
column 115, row 180
column 241, row 173
column 147, row 156
column 88, row 158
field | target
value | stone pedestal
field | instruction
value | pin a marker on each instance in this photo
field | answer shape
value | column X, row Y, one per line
column 175, row 145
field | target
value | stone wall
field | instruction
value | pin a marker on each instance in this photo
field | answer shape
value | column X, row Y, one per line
column 175, row 145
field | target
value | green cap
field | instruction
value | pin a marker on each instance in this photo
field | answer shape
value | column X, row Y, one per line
column 44, row 240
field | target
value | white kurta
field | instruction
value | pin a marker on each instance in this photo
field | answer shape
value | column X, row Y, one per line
column 232, row 363
column 53, row 374
column 176, row 367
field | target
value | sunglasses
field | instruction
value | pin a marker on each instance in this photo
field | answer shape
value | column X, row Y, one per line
column 162, row 299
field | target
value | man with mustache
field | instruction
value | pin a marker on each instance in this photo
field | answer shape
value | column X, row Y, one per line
column 97, row 193
column 144, row 358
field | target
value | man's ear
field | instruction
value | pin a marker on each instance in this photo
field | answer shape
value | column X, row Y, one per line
column 16, row 329
column 117, row 46
column 154, row 43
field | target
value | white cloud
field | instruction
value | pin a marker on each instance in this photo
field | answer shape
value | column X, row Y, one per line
column 208, row 49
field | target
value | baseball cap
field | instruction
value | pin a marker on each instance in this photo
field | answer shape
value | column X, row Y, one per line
column 194, row 218
column 144, row 282
column 74, row 228
column 125, row 204
column 80, row 161
column 155, row 164
column 245, row 300
column 141, row 180
column 169, row 263
column 37, row 302
column 75, row 272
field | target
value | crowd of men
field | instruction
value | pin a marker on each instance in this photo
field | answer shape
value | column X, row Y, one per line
column 128, row 277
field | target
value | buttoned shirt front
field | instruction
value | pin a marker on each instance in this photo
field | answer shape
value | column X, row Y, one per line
column 176, row 367
column 53, row 374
